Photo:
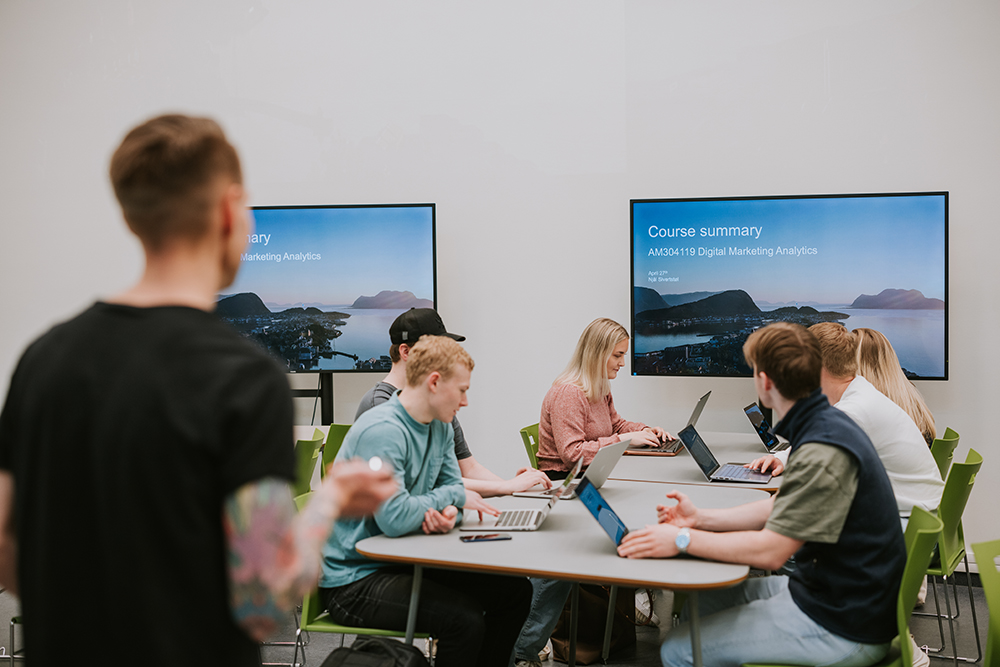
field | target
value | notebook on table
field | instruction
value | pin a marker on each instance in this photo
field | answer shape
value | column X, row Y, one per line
column 601, row 510
column 597, row 472
column 709, row 465
column 763, row 429
column 670, row 447
column 526, row 519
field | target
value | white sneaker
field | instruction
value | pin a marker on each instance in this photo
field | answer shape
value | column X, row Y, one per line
column 543, row 655
column 920, row 659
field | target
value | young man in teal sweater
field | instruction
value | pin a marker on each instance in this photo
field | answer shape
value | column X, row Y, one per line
column 475, row 617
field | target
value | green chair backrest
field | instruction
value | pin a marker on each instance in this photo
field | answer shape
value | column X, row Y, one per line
column 986, row 555
column 529, row 434
column 955, row 497
column 922, row 531
column 306, row 453
column 334, row 439
column 943, row 449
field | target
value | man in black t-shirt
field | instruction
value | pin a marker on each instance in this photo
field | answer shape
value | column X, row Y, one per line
column 145, row 447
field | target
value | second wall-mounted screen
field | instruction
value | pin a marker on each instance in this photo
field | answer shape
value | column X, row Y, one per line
column 320, row 285
column 707, row 272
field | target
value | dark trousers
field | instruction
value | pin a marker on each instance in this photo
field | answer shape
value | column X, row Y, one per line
column 476, row 618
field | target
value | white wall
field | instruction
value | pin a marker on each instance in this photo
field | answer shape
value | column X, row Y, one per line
column 531, row 124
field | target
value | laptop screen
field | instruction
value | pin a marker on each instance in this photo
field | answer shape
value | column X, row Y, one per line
column 696, row 413
column 760, row 425
column 699, row 451
column 599, row 508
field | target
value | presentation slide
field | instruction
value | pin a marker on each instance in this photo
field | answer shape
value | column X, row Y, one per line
column 319, row 286
column 708, row 272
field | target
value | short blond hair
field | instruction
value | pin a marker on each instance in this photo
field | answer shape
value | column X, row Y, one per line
column 438, row 354
column 839, row 347
column 789, row 355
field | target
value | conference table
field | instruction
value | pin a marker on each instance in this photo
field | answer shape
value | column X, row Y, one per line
column 571, row 545
column 681, row 469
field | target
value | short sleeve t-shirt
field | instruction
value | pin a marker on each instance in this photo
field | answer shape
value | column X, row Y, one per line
column 383, row 391
column 816, row 494
column 125, row 429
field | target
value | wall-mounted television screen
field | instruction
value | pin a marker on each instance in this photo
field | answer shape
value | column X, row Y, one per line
column 319, row 285
column 707, row 272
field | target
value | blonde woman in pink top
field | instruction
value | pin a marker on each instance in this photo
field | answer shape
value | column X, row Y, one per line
column 578, row 414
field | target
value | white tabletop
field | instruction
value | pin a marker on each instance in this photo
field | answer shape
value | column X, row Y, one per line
column 571, row 545
column 681, row 469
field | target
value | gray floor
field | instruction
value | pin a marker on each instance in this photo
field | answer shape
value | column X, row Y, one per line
column 644, row 654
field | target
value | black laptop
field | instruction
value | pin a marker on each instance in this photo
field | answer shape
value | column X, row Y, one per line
column 709, row 465
column 763, row 429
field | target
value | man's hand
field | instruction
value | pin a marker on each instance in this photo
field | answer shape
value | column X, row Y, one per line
column 527, row 478
column 765, row 463
column 439, row 522
column 475, row 502
column 650, row 542
column 359, row 490
column 684, row 513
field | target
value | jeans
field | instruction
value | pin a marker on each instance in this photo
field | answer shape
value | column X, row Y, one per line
column 759, row 622
column 475, row 617
column 547, row 601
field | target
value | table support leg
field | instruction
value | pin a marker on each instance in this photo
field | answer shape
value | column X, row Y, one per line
column 574, row 617
column 609, row 624
column 411, row 616
column 695, row 628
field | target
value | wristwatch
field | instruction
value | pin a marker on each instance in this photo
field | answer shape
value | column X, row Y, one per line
column 682, row 540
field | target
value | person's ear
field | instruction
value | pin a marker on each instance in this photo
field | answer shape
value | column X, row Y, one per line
column 404, row 351
column 766, row 381
column 433, row 380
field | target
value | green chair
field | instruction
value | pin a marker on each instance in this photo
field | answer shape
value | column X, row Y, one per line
column 306, row 454
column 951, row 549
column 986, row 555
column 316, row 619
column 334, row 439
column 922, row 532
column 943, row 449
column 529, row 434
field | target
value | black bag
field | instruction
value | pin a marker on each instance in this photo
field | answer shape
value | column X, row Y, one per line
column 593, row 614
column 376, row 652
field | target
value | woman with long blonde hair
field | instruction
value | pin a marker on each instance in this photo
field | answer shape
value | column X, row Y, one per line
column 878, row 363
column 578, row 414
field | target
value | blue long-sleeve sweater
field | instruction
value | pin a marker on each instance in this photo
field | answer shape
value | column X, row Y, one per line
column 423, row 458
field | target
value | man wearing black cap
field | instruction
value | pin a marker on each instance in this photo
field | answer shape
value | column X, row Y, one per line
column 405, row 331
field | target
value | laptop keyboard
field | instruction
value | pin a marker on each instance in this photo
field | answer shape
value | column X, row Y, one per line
column 515, row 518
column 733, row 472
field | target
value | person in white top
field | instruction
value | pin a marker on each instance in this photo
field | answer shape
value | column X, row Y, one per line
column 900, row 445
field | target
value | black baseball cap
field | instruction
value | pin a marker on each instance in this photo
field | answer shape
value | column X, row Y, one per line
column 417, row 322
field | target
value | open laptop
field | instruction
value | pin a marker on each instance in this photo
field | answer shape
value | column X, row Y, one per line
column 671, row 447
column 763, row 429
column 601, row 510
column 597, row 472
column 709, row 465
column 526, row 519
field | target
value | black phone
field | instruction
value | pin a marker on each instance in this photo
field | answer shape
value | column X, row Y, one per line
column 485, row 537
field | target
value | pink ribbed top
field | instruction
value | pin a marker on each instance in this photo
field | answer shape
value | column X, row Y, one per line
column 570, row 427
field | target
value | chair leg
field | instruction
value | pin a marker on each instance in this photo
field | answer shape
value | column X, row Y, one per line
column 951, row 623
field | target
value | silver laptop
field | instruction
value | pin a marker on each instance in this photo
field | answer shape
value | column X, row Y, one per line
column 709, row 465
column 674, row 445
column 526, row 519
column 597, row 472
